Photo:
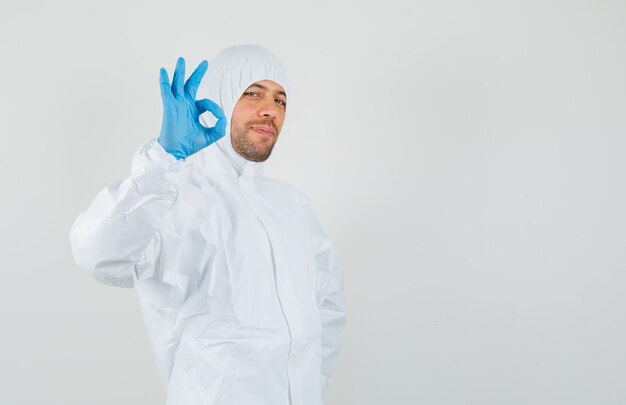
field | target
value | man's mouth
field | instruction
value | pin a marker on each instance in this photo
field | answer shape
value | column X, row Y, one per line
column 266, row 131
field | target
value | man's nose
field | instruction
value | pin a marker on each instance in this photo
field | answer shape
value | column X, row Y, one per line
column 268, row 109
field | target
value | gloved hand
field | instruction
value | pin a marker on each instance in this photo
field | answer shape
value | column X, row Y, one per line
column 182, row 135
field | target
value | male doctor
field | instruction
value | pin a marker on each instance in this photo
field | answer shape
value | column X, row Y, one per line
column 240, row 289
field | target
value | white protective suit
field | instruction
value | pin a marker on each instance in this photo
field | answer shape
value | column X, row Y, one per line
column 240, row 289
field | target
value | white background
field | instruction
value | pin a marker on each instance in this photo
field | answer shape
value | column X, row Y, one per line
column 467, row 158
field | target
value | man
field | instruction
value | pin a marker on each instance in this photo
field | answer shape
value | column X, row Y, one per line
column 241, row 292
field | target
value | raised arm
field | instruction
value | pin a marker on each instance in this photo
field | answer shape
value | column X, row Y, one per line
column 117, row 238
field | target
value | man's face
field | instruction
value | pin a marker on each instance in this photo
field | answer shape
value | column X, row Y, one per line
column 257, row 120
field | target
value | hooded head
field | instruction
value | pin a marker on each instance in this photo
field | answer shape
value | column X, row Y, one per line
column 230, row 73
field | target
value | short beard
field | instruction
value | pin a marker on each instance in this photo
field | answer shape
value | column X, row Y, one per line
column 243, row 146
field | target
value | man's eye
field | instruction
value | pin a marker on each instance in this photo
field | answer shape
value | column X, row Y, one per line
column 280, row 101
column 252, row 93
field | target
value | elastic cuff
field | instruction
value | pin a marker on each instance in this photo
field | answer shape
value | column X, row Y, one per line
column 152, row 154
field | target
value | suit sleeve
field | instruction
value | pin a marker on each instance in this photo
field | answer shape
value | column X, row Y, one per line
column 117, row 238
column 330, row 294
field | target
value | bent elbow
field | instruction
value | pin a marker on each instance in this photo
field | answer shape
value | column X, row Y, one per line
column 116, row 272
column 101, row 261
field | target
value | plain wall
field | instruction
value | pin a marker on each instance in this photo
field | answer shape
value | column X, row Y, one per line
column 467, row 158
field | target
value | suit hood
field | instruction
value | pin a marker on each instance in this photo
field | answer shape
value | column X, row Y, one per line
column 229, row 74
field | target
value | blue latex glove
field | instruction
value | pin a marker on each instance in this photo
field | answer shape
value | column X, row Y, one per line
column 182, row 135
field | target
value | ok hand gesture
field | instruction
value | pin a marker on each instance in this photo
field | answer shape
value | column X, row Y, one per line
column 182, row 135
